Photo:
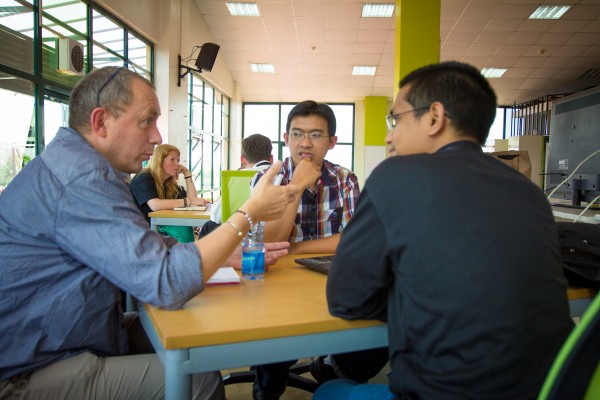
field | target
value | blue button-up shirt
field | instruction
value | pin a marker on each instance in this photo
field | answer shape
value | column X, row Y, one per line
column 70, row 236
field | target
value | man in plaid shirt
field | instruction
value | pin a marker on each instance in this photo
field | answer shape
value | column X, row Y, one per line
column 313, row 224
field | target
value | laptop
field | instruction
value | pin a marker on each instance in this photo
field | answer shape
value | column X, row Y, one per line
column 320, row 264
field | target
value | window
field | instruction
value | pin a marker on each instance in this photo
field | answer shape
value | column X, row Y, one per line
column 34, row 93
column 270, row 119
column 56, row 115
column 499, row 128
column 16, row 114
column 208, row 135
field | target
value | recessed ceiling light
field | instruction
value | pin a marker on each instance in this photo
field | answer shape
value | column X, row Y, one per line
column 243, row 9
column 493, row 72
column 378, row 10
column 546, row 11
column 264, row 68
column 364, row 70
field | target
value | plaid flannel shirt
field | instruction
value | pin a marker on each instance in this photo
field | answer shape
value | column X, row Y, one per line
column 327, row 210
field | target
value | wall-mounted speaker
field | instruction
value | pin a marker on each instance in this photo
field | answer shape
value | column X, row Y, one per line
column 208, row 55
column 70, row 57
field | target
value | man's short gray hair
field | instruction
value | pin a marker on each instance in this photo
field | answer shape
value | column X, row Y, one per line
column 107, row 87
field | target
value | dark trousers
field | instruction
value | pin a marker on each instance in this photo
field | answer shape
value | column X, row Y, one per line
column 271, row 379
column 207, row 228
column 359, row 366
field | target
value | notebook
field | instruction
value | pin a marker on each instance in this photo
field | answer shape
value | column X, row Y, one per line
column 190, row 208
column 224, row 276
column 320, row 264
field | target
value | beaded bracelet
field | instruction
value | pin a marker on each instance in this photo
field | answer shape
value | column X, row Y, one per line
column 187, row 177
column 245, row 214
column 185, row 201
column 239, row 233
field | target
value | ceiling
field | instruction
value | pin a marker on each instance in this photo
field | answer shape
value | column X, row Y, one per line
column 314, row 44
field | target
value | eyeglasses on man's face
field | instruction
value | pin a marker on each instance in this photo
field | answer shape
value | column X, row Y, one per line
column 392, row 119
column 315, row 136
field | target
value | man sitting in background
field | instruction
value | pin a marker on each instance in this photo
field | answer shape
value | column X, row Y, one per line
column 257, row 155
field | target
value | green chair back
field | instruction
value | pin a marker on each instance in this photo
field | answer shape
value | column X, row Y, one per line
column 593, row 390
column 575, row 373
column 235, row 190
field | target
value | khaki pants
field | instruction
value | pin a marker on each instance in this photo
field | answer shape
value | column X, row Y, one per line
column 87, row 376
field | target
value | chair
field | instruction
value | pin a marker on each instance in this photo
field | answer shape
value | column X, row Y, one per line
column 235, row 190
column 575, row 373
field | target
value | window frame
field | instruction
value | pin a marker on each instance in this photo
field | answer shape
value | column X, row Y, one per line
column 207, row 173
column 44, row 80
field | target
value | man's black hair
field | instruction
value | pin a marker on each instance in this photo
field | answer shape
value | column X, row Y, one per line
column 468, row 98
column 310, row 107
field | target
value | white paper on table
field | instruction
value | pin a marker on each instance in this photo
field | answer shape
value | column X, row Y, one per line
column 224, row 276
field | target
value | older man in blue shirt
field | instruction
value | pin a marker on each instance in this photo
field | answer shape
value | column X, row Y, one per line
column 71, row 237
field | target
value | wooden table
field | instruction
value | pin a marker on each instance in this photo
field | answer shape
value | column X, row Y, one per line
column 579, row 300
column 180, row 218
column 284, row 317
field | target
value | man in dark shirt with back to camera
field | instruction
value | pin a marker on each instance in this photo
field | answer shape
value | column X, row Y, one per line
column 456, row 251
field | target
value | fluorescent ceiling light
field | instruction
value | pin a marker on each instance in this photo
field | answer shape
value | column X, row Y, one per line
column 493, row 72
column 378, row 10
column 364, row 70
column 265, row 68
column 243, row 9
column 549, row 12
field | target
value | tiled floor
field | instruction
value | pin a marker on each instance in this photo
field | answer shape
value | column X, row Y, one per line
column 243, row 391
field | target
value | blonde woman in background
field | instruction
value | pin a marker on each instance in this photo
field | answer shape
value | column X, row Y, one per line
column 156, row 188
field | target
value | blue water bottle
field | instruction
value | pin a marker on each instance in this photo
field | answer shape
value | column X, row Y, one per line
column 253, row 253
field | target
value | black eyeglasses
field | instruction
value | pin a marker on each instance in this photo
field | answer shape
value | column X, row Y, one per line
column 392, row 119
column 315, row 136
column 110, row 78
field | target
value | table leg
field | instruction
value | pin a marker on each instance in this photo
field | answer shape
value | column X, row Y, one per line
column 178, row 386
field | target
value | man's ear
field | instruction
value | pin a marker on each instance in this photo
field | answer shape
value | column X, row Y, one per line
column 98, row 121
column 243, row 161
column 437, row 117
column 286, row 138
column 332, row 141
column 271, row 159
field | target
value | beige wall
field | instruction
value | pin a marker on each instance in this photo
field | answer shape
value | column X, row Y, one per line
column 359, row 142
